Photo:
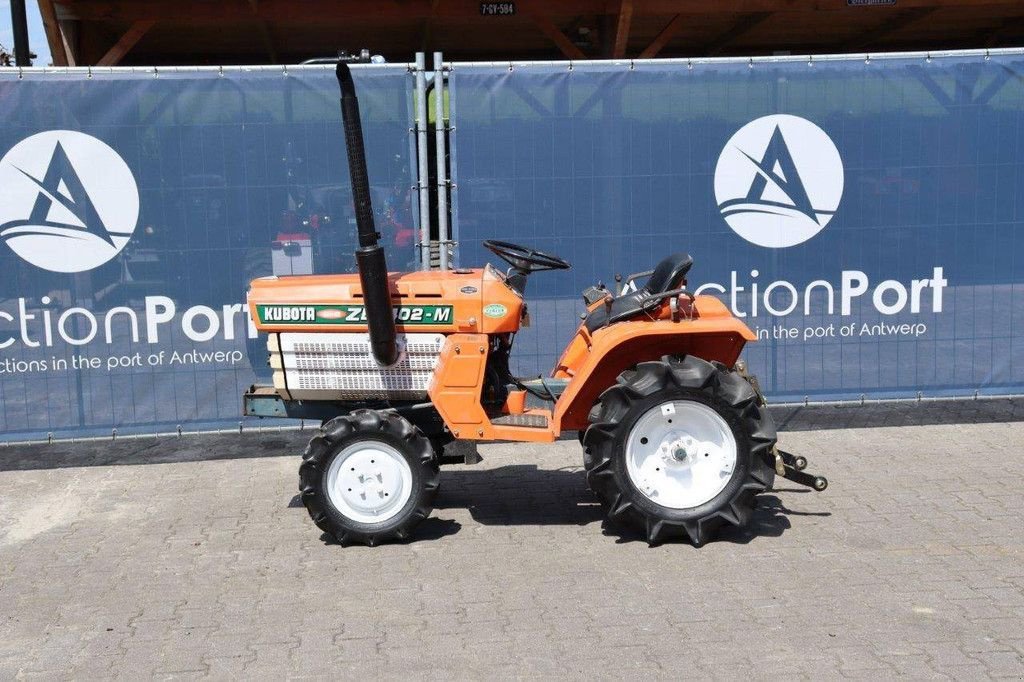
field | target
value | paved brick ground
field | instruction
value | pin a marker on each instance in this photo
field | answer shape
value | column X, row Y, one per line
column 911, row 563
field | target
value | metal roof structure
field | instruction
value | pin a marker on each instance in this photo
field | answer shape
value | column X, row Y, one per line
column 169, row 32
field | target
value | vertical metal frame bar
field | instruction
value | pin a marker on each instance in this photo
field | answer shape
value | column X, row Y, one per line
column 442, row 159
column 453, row 170
column 423, row 172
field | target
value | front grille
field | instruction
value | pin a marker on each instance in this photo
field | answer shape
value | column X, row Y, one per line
column 341, row 366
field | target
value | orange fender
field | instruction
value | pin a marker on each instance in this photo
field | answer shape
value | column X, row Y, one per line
column 593, row 362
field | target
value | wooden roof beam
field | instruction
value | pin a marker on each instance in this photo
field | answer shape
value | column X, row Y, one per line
column 427, row 27
column 622, row 28
column 268, row 39
column 130, row 38
column 892, row 24
column 285, row 10
column 664, row 36
column 993, row 36
column 744, row 25
column 69, row 36
column 54, row 36
column 555, row 35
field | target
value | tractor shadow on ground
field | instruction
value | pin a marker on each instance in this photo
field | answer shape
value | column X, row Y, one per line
column 519, row 494
column 771, row 520
column 522, row 494
column 432, row 529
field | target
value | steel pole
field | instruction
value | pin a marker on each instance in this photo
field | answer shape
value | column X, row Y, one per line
column 422, row 182
column 442, row 159
column 19, row 23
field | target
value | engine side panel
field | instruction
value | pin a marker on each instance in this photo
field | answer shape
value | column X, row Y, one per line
column 455, row 392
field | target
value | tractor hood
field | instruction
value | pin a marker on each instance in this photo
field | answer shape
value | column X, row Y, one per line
column 475, row 300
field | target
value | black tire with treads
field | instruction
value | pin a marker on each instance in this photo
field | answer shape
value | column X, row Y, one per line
column 679, row 378
column 391, row 429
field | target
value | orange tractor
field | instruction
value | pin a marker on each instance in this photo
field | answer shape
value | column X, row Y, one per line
column 677, row 438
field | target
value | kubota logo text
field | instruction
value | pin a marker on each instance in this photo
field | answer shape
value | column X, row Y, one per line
column 779, row 181
column 68, row 202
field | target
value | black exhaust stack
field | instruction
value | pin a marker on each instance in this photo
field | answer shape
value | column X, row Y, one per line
column 373, row 269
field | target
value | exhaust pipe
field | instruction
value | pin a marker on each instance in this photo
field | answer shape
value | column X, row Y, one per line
column 373, row 268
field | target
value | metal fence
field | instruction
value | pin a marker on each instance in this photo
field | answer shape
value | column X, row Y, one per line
column 864, row 215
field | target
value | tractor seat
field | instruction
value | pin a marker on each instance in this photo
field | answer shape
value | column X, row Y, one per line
column 670, row 274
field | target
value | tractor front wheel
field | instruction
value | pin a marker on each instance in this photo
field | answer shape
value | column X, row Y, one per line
column 680, row 447
column 368, row 477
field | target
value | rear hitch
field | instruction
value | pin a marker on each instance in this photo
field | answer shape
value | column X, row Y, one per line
column 798, row 462
column 791, row 467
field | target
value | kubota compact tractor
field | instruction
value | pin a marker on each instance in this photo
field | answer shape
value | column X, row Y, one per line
column 677, row 438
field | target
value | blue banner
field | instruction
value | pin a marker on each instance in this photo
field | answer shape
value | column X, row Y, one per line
column 135, row 207
column 865, row 217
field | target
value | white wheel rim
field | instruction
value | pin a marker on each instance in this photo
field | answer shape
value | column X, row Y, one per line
column 680, row 454
column 369, row 482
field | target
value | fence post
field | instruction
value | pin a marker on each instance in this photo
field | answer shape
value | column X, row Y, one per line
column 442, row 160
column 422, row 184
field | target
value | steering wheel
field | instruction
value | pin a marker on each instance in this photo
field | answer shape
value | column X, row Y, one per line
column 525, row 259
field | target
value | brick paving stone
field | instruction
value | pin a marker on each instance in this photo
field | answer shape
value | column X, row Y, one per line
column 909, row 565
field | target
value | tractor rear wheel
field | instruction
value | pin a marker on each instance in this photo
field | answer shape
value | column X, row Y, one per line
column 368, row 477
column 680, row 447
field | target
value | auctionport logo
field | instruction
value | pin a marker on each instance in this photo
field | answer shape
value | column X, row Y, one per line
column 68, row 202
column 778, row 181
